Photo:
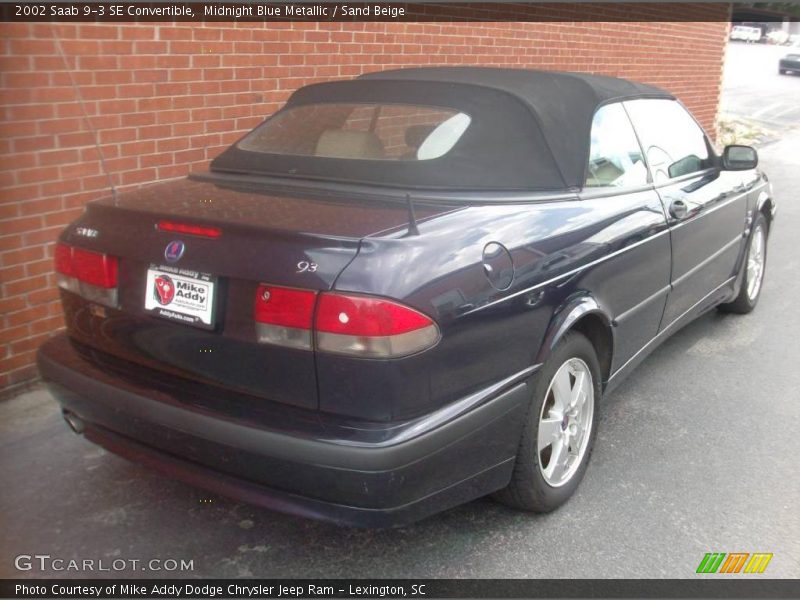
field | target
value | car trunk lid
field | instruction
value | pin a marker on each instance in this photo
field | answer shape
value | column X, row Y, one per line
column 246, row 236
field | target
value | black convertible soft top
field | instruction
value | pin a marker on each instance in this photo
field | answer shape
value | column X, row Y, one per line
column 530, row 130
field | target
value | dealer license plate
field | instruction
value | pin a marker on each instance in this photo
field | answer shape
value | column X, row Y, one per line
column 180, row 295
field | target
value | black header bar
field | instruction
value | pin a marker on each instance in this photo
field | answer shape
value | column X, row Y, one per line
column 253, row 10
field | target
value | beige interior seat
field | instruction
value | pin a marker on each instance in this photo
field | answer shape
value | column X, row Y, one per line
column 338, row 143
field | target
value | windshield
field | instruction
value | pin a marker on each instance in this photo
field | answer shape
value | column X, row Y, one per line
column 402, row 132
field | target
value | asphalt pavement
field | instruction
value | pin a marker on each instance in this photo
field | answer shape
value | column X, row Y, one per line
column 697, row 452
column 753, row 88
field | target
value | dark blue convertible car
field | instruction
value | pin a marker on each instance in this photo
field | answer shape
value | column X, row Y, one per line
column 405, row 291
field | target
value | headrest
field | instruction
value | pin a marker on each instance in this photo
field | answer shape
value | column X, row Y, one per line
column 416, row 134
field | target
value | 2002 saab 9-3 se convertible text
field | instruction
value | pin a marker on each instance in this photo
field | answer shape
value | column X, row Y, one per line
column 404, row 291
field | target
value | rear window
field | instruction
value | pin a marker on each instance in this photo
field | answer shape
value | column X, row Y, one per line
column 397, row 132
column 402, row 134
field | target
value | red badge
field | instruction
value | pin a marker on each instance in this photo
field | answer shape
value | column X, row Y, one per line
column 164, row 289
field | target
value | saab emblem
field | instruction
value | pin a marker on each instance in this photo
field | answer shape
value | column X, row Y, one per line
column 164, row 289
column 174, row 251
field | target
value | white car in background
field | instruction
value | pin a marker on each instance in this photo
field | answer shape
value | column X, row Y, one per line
column 778, row 37
column 746, row 34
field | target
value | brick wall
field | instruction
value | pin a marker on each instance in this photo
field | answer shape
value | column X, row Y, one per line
column 165, row 98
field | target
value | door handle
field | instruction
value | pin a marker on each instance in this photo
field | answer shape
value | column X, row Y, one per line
column 678, row 209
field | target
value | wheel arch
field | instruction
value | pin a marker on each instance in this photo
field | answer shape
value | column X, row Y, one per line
column 587, row 316
column 766, row 206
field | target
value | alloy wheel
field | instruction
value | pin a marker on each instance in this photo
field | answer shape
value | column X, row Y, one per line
column 565, row 422
column 755, row 263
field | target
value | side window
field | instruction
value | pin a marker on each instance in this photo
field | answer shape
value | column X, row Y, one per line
column 615, row 157
column 674, row 144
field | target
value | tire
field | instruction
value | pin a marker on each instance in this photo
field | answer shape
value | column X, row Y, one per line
column 529, row 488
column 751, row 288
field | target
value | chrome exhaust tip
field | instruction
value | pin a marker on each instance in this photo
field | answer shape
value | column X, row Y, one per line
column 74, row 421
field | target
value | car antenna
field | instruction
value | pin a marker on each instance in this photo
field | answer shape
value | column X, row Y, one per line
column 86, row 118
column 412, row 219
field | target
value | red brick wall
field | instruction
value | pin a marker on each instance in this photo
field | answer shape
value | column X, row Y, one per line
column 165, row 98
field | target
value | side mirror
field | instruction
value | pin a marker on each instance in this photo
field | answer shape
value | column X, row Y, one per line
column 739, row 158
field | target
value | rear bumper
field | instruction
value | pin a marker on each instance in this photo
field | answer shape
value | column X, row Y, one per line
column 371, row 476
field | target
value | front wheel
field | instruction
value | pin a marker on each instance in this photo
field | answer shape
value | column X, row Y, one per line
column 754, row 265
column 560, row 429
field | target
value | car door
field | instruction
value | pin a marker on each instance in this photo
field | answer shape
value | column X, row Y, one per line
column 705, row 207
column 634, row 282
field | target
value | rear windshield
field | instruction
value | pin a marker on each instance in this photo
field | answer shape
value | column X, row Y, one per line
column 403, row 132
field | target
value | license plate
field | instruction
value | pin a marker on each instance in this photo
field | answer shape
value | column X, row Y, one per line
column 180, row 295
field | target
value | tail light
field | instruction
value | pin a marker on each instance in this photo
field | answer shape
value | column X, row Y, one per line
column 371, row 327
column 361, row 326
column 92, row 275
column 284, row 316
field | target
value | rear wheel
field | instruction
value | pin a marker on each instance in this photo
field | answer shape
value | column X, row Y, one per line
column 754, row 265
column 560, row 429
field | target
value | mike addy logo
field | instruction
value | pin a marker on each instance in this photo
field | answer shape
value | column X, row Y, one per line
column 164, row 289
column 733, row 563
